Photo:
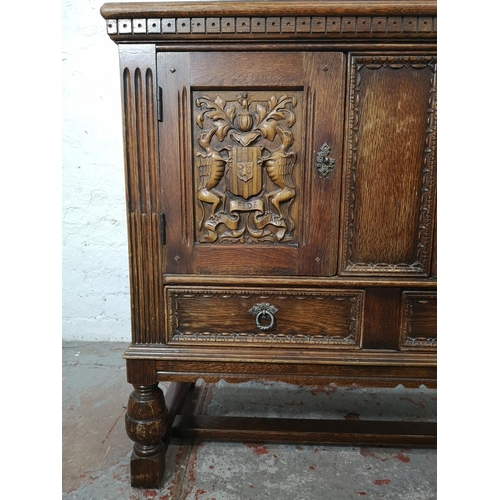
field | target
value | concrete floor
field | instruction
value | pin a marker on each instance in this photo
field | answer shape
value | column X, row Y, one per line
column 96, row 449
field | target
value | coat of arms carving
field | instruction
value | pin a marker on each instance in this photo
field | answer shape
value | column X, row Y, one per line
column 244, row 167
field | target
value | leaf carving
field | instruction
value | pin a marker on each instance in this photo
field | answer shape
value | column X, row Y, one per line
column 261, row 113
column 215, row 111
column 277, row 111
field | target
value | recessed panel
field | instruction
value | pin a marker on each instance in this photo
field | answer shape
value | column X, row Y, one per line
column 247, row 162
column 286, row 317
column 389, row 197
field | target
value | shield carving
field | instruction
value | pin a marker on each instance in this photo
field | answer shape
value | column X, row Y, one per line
column 245, row 172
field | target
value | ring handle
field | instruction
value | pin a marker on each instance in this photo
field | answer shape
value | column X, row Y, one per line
column 262, row 315
column 262, row 312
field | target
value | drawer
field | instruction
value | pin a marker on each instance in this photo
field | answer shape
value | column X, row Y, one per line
column 286, row 317
column 419, row 321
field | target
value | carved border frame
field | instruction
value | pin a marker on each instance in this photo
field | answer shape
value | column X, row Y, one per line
column 427, row 191
column 414, row 343
column 352, row 340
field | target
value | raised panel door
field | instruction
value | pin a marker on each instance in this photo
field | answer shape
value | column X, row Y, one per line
column 390, row 165
column 250, row 155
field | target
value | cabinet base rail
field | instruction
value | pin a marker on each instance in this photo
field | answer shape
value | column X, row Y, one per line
column 161, row 418
column 294, row 430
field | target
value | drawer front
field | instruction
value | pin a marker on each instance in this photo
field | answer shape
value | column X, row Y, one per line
column 288, row 317
column 419, row 321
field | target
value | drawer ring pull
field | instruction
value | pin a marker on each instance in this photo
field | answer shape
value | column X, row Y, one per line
column 264, row 312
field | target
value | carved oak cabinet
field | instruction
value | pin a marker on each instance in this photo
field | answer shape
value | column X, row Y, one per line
column 280, row 162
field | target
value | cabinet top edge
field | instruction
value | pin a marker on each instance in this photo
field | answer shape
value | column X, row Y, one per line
column 266, row 8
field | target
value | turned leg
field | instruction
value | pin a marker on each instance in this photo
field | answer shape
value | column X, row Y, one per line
column 146, row 424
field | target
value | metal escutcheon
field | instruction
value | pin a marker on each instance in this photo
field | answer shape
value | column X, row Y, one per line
column 264, row 315
column 324, row 163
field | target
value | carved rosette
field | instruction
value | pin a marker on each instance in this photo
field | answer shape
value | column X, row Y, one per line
column 244, row 167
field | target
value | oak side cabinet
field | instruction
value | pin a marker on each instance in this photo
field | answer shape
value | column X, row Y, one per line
column 280, row 165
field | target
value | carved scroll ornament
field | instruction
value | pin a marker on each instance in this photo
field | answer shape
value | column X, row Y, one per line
column 244, row 168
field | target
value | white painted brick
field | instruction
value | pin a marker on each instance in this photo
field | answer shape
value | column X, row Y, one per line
column 95, row 288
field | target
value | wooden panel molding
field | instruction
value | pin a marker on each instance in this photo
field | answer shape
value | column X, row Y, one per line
column 420, row 266
column 244, row 166
column 193, row 315
column 141, row 171
column 419, row 321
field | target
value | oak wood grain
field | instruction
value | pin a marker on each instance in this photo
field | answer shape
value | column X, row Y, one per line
column 138, row 68
column 302, row 317
column 291, row 430
column 381, row 318
column 256, row 8
column 389, row 186
column 278, row 155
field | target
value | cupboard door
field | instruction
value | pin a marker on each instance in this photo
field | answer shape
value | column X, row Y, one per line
column 250, row 155
column 390, row 162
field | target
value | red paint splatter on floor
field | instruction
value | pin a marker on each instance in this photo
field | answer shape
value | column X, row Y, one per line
column 251, row 485
column 352, row 416
column 198, row 493
column 148, row 494
column 382, row 481
column 316, row 450
column 312, row 467
column 325, row 389
column 402, row 458
column 275, row 456
column 211, row 467
column 420, row 403
column 257, row 449
column 362, row 493
column 113, row 426
column 170, row 489
column 178, row 456
column 121, row 472
column 366, row 452
column 191, row 464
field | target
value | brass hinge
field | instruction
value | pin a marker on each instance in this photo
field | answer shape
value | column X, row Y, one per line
column 159, row 103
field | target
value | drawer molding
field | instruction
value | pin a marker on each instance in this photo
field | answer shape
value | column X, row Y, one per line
column 278, row 338
column 352, row 339
column 408, row 341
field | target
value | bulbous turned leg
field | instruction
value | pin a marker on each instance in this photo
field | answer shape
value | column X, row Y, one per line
column 146, row 424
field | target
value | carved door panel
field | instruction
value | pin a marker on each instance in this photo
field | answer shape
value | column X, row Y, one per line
column 390, row 161
column 250, row 155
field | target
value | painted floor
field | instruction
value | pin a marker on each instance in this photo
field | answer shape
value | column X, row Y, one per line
column 96, row 449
